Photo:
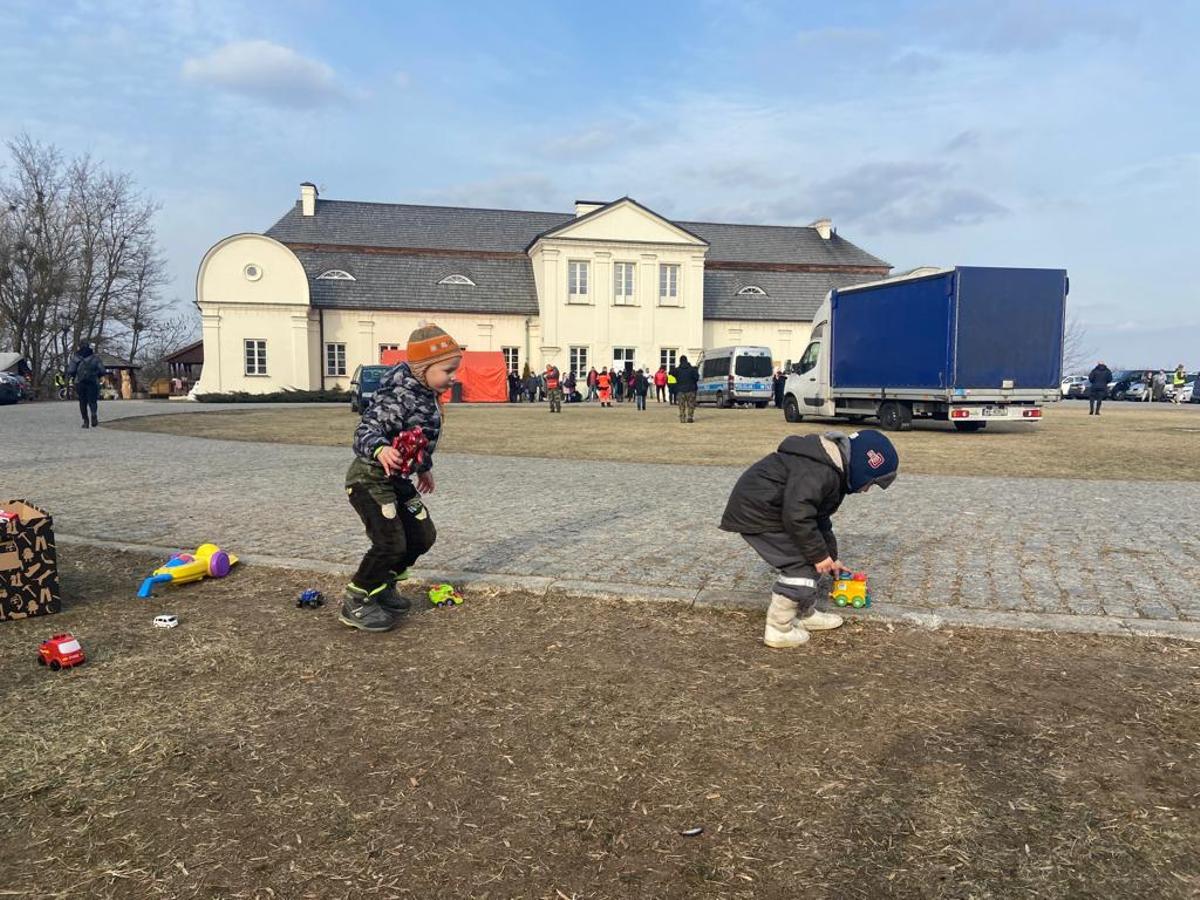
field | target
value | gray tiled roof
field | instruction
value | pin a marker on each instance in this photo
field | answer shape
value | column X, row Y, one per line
column 791, row 296
column 424, row 227
column 778, row 244
column 505, row 230
column 410, row 282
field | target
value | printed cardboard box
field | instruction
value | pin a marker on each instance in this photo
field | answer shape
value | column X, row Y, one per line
column 28, row 563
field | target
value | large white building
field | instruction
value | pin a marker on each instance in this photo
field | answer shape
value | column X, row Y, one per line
column 334, row 283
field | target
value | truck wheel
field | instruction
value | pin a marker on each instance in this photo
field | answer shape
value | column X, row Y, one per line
column 791, row 409
column 970, row 426
column 891, row 417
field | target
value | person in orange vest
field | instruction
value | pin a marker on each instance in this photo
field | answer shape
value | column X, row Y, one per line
column 604, row 382
column 553, row 388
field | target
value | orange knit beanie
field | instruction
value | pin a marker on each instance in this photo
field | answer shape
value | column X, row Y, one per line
column 428, row 345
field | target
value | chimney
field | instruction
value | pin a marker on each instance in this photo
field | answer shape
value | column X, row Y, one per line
column 583, row 207
column 308, row 199
column 824, row 228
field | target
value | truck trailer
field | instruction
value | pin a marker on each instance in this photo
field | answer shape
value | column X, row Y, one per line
column 968, row 345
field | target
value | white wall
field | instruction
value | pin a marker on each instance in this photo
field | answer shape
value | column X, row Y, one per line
column 787, row 340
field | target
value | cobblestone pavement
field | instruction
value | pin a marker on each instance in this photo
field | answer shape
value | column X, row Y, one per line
column 947, row 546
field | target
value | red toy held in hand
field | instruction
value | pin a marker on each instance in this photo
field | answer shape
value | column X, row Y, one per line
column 412, row 445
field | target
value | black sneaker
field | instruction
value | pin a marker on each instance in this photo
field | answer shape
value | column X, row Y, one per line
column 362, row 612
column 95, row 422
column 85, row 423
column 391, row 601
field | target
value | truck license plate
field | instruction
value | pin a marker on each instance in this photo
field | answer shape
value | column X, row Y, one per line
column 995, row 410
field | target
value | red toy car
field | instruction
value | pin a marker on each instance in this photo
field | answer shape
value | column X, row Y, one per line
column 60, row 652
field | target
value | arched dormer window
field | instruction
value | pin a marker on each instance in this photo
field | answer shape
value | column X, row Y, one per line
column 752, row 290
column 336, row 275
column 457, row 279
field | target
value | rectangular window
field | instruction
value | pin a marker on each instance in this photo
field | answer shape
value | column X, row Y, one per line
column 753, row 367
column 715, row 368
column 623, row 358
column 577, row 280
column 335, row 359
column 384, row 348
column 578, row 358
column 512, row 358
column 623, row 284
column 256, row 357
column 667, row 356
column 668, row 285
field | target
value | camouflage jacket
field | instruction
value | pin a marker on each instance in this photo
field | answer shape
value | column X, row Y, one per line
column 400, row 402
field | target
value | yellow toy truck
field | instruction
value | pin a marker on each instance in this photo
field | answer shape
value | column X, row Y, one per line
column 850, row 589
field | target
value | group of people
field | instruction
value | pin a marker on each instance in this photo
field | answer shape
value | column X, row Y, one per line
column 1155, row 386
column 676, row 385
column 782, row 506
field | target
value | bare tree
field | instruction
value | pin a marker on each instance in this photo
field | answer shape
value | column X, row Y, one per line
column 79, row 258
column 165, row 334
column 1076, row 352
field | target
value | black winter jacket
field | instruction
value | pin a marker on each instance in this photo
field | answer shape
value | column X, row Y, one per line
column 1099, row 379
column 794, row 490
column 687, row 378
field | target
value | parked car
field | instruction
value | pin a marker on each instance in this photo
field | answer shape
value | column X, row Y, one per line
column 732, row 375
column 61, row 651
column 363, row 386
column 1187, row 393
column 1074, row 386
column 1121, row 382
column 10, row 391
column 1137, row 391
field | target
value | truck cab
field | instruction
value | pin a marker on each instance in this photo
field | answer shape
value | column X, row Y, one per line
column 806, row 391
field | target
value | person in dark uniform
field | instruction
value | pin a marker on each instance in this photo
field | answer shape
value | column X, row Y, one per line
column 1098, row 381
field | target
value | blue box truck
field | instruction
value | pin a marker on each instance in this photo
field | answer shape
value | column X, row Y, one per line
column 967, row 345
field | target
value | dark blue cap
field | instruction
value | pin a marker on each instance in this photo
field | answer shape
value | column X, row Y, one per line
column 873, row 460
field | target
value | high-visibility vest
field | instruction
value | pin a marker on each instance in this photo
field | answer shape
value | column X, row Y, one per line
column 1179, row 379
column 603, row 380
column 552, row 379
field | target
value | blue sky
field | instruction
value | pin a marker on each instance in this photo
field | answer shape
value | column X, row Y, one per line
column 935, row 132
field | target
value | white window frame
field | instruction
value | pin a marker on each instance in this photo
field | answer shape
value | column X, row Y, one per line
column 335, row 362
column 624, row 284
column 578, row 276
column 512, row 358
column 385, row 347
column 668, row 284
column 752, row 290
column 577, row 360
column 457, row 278
column 627, row 354
column 668, row 356
column 254, row 366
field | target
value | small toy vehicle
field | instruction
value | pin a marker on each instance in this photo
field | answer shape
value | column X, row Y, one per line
column 167, row 621
column 445, row 595
column 850, row 589
column 310, row 599
column 61, row 651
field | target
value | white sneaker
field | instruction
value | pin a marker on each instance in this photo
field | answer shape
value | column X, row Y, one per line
column 783, row 629
column 819, row 621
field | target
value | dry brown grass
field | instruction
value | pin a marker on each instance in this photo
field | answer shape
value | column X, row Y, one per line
column 558, row 748
column 1127, row 442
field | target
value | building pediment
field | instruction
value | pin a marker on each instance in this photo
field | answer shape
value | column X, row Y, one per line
column 620, row 222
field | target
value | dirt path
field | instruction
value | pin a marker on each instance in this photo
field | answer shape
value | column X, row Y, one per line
column 515, row 747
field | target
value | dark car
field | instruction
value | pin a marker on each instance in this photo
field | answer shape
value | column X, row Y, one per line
column 363, row 386
column 10, row 390
column 1121, row 380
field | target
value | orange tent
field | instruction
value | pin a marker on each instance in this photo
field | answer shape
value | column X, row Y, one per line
column 483, row 376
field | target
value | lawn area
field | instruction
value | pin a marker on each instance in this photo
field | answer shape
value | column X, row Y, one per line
column 550, row 748
column 1128, row 441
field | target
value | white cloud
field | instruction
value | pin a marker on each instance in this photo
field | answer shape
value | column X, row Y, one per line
column 268, row 72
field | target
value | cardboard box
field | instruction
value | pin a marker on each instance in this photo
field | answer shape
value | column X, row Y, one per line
column 28, row 562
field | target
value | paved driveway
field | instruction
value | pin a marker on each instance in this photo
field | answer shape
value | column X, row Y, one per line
column 1081, row 555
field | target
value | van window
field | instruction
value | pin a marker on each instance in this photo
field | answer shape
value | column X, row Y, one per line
column 716, row 368
column 753, row 367
column 810, row 357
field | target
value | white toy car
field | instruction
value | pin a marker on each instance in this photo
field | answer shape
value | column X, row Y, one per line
column 166, row 621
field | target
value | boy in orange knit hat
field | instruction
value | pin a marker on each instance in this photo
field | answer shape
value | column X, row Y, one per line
column 383, row 495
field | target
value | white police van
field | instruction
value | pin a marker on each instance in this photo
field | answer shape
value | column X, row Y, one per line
column 730, row 375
